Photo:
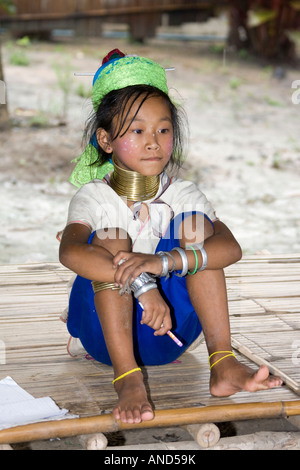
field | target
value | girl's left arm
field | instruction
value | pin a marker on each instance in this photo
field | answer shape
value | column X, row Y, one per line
column 222, row 248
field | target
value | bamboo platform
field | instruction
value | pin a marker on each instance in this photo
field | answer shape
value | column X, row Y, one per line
column 264, row 304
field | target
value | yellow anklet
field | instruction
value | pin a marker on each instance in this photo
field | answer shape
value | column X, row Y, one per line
column 127, row 373
column 230, row 353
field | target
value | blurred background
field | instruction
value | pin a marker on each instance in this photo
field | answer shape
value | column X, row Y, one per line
column 237, row 75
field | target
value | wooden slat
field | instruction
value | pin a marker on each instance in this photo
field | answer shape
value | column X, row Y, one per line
column 265, row 288
column 73, row 9
column 281, row 305
column 264, row 314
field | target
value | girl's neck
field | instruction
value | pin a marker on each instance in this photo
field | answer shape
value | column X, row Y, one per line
column 133, row 185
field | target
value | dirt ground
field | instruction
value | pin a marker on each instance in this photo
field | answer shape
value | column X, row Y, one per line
column 244, row 148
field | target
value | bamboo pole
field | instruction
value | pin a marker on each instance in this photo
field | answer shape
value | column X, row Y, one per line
column 163, row 418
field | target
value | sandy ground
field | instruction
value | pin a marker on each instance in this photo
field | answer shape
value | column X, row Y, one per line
column 244, row 144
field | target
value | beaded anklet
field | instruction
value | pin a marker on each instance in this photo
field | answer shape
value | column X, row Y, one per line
column 230, row 353
column 127, row 373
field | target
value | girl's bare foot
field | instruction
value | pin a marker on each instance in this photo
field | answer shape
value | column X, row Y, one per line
column 229, row 376
column 133, row 405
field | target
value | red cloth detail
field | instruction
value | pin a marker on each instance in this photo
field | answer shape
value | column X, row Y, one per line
column 108, row 56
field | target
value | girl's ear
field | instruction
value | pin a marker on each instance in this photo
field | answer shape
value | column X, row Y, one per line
column 103, row 140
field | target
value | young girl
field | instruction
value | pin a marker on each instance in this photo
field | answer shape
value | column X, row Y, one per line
column 147, row 249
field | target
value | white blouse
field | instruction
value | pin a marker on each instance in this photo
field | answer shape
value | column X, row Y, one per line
column 98, row 206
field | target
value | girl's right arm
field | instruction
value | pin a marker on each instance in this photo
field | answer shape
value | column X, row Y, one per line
column 95, row 263
column 89, row 261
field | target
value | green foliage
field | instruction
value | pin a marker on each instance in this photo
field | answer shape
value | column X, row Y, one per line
column 24, row 42
column 82, row 91
column 8, row 6
column 18, row 58
column 39, row 120
column 17, row 55
column 295, row 4
column 260, row 16
column 235, row 83
column 63, row 74
column 272, row 101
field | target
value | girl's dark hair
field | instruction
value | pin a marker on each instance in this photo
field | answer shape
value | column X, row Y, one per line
column 115, row 103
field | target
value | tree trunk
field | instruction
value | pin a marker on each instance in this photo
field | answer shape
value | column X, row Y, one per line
column 268, row 38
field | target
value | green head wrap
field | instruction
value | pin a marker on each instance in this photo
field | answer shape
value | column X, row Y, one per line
column 115, row 73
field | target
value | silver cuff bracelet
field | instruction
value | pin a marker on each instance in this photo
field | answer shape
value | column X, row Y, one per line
column 142, row 284
column 165, row 263
column 145, row 288
column 204, row 256
column 185, row 264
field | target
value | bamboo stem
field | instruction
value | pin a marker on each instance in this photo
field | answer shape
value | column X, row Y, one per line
column 163, row 418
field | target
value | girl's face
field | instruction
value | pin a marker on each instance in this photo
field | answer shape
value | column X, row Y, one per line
column 146, row 147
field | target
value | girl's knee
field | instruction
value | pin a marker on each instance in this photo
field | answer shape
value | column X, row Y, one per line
column 113, row 239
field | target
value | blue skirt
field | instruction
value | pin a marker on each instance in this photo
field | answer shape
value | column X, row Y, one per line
column 83, row 321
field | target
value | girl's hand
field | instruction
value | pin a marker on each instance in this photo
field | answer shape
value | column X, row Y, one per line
column 156, row 312
column 133, row 264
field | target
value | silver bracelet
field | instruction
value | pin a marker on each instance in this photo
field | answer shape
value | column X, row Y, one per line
column 145, row 288
column 185, row 264
column 172, row 258
column 204, row 256
column 165, row 263
column 142, row 283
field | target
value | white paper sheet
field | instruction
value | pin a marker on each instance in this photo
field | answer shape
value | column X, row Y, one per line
column 18, row 407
